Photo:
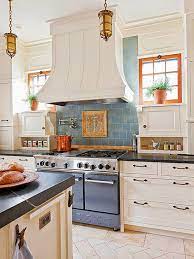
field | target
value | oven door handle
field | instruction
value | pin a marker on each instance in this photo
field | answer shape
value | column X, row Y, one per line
column 98, row 181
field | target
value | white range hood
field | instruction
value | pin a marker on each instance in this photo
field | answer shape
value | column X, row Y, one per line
column 85, row 67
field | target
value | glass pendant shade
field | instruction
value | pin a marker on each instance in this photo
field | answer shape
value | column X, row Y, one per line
column 10, row 44
column 105, row 17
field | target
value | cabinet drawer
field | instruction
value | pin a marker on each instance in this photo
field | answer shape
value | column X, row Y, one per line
column 178, row 191
column 147, row 213
column 177, row 169
column 27, row 162
column 136, row 167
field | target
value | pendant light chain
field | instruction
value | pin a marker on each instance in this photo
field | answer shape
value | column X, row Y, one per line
column 105, row 4
column 10, row 16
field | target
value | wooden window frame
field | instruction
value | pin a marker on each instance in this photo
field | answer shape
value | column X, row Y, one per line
column 166, row 57
column 33, row 74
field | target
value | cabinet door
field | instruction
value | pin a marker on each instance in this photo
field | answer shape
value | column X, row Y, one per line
column 5, row 63
column 4, row 237
column 48, row 232
column 6, row 138
column 161, row 121
column 168, row 216
column 6, row 104
column 33, row 124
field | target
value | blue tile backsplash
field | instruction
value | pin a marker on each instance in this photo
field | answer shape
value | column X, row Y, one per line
column 122, row 117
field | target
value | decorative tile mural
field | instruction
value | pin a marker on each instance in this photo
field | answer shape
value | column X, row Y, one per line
column 94, row 124
column 122, row 117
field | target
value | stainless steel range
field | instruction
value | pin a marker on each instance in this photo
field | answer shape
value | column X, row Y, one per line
column 96, row 192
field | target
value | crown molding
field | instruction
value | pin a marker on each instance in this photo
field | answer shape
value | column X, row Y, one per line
column 38, row 42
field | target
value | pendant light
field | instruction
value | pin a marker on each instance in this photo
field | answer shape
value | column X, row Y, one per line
column 105, row 17
column 10, row 37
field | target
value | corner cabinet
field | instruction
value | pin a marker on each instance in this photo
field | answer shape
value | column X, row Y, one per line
column 41, row 123
column 162, row 120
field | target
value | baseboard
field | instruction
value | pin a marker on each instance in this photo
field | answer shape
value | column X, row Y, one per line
column 159, row 232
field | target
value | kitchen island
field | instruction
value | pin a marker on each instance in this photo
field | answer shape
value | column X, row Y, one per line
column 44, row 208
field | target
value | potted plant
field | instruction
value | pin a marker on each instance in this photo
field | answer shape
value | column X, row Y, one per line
column 33, row 101
column 159, row 91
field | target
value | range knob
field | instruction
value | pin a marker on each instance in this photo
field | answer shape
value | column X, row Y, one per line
column 66, row 165
column 86, row 165
column 100, row 166
column 47, row 163
column 107, row 167
column 92, row 167
column 53, row 164
column 79, row 165
column 41, row 163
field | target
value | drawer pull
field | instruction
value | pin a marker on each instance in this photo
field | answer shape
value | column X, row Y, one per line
column 2, row 158
column 144, row 126
column 139, row 165
column 23, row 160
column 4, row 120
column 139, row 203
column 180, row 183
column 181, row 168
column 138, row 180
column 186, row 208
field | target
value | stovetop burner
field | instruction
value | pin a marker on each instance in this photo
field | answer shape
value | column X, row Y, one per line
column 114, row 154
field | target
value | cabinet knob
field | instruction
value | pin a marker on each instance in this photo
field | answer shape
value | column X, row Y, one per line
column 144, row 126
column 43, row 128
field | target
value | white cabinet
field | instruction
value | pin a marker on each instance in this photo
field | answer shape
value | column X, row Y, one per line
column 5, row 62
column 38, row 124
column 162, row 120
column 48, row 230
column 6, row 138
column 6, row 112
column 160, row 200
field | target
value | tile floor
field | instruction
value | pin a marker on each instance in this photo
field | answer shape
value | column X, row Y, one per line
column 98, row 243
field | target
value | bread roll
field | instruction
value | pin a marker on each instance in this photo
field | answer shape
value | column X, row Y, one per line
column 11, row 177
column 16, row 167
column 11, row 167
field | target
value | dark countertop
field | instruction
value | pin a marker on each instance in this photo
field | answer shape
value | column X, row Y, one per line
column 18, row 201
column 166, row 158
column 29, row 153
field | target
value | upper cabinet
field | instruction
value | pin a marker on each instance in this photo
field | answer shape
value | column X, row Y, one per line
column 5, row 63
column 162, row 120
column 162, row 37
column 38, row 123
column 6, row 110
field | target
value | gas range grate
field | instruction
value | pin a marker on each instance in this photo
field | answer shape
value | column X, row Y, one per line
column 114, row 154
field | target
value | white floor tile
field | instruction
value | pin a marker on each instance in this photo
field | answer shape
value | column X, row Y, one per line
column 168, row 244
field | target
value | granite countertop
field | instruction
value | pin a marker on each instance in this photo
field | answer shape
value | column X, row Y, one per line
column 29, row 153
column 166, row 158
column 18, row 201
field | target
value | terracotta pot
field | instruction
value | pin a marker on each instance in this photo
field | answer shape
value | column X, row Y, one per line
column 159, row 96
column 34, row 105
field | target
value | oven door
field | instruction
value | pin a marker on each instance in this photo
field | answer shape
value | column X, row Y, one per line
column 78, row 190
column 102, row 193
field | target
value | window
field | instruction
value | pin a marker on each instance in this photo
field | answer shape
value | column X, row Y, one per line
column 37, row 80
column 158, row 69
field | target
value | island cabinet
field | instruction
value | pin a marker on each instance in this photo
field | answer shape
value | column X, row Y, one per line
column 48, row 230
column 157, row 195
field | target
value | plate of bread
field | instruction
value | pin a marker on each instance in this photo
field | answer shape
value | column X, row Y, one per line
column 13, row 174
